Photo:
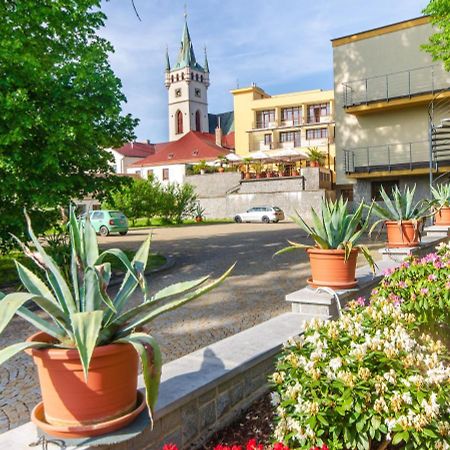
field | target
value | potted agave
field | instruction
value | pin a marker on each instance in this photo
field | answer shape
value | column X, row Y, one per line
column 335, row 233
column 441, row 201
column 402, row 216
column 199, row 212
column 87, row 353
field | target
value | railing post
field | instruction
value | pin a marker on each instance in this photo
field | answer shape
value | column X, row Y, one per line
column 368, row 161
column 410, row 156
column 389, row 157
column 353, row 161
column 387, row 88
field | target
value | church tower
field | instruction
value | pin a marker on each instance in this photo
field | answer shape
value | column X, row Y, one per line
column 187, row 84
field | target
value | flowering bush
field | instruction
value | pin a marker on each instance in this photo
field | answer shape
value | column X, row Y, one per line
column 365, row 381
column 251, row 445
column 422, row 286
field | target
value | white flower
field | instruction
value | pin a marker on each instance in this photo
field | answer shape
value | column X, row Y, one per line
column 275, row 398
column 406, row 397
column 336, row 363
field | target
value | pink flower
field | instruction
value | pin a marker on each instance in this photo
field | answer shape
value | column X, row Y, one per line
column 361, row 301
column 432, row 277
column 402, row 284
column 424, row 291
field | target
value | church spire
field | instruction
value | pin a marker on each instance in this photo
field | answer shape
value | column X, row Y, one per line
column 206, row 65
column 167, row 60
column 186, row 55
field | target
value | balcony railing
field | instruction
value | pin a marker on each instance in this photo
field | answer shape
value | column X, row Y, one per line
column 391, row 157
column 405, row 84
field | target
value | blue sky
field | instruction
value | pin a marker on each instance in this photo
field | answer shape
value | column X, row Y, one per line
column 281, row 45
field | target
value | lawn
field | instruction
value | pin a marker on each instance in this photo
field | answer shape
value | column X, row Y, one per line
column 158, row 222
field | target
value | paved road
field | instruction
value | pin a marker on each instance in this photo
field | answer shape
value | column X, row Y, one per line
column 253, row 293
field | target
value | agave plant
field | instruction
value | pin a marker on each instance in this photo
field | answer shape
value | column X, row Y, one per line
column 81, row 313
column 401, row 208
column 441, row 196
column 336, row 228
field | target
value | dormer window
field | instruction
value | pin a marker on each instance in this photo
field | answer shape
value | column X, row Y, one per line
column 171, row 155
column 195, row 152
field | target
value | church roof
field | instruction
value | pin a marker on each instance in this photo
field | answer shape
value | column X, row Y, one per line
column 191, row 148
column 226, row 122
column 186, row 56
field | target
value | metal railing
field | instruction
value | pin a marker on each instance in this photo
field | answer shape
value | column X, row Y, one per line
column 407, row 83
column 388, row 157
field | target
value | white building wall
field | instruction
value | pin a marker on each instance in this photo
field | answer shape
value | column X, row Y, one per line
column 177, row 173
column 122, row 163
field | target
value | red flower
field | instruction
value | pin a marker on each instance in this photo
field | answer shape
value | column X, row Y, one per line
column 280, row 446
column 324, row 447
column 253, row 445
column 170, row 446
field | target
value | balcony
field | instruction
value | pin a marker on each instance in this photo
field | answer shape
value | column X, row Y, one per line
column 398, row 89
column 394, row 159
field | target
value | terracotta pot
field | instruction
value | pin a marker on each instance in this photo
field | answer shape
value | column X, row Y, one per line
column 402, row 234
column 247, row 175
column 314, row 164
column 442, row 217
column 328, row 268
column 198, row 219
column 69, row 401
column 221, row 169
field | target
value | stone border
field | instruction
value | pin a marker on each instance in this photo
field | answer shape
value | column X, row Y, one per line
column 200, row 393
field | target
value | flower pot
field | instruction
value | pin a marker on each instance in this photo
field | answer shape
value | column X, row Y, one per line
column 328, row 268
column 442, row 217
column 109, row 395
column 221, row 169
column 402, row 234
column 198, row 219
column 247, row 175
column 314, row 164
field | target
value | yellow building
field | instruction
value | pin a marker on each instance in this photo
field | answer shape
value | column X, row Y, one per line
column 284, row 126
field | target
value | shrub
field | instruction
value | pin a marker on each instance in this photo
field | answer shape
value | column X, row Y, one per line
column 365, row 381
column 422, row 286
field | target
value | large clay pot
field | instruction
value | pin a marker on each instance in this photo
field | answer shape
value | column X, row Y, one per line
column 402, row 234
column 329, row 268
column 69, row 401
column 442, row 217
column 221, row 169
column 247, row 175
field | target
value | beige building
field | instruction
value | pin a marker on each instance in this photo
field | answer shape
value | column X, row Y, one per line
column 387, row 91
column 283, row 126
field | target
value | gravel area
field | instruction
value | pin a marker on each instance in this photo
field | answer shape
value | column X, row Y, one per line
column 252, row 294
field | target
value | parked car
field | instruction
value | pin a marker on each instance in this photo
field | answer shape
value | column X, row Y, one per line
column 264, row 214
column 105, row 221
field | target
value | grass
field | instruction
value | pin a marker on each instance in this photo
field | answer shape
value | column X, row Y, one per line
column 8, row 273
column 158, row 222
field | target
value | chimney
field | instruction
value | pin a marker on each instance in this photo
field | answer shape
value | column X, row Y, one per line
column 148, row 141
column 218, row 133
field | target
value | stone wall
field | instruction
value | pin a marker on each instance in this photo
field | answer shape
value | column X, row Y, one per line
column 214, row 184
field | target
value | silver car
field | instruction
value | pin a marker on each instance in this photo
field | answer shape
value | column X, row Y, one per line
column 265, row 214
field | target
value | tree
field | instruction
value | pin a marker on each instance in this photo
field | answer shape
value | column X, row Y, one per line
column 185, row 201
column 60, row 107
column 439, row 43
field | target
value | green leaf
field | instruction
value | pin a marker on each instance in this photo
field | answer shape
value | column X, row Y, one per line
column 41, row 324
column 9, row 306
column 55, row 278
column 90, row 243
column 151, row 362
column 398, row 437
column 12, row 350
column 33, row 283
column 86, row 327
column 178, row 288
column 151, row 312
column 91, row 290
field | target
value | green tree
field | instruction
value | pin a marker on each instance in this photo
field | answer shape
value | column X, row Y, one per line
column 185, row 201
column 60, row 107
column 439, row 44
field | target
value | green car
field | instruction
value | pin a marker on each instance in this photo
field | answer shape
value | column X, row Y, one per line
column 105, row 222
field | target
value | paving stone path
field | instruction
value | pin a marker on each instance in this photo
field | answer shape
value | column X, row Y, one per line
column 252, row 294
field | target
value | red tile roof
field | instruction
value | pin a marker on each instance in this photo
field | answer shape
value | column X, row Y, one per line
column 136, row 149
column 192, row 147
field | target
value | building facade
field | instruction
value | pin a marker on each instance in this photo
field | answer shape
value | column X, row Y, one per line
column 389, row 97
column 278, row 124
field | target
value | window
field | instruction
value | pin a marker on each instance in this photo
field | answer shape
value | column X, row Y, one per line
column 198, row 92
column 201, row 78
column 150, row 173
column 165, row 174
column 290, row 136
column 388, row 186
column 315, row 112
column 178, row 77
column 293, row 115
column 178, row 92
column 179, row 122
column 268, row 139
column 97, row 216
column 173, row 79
column 264, row 118
column 196, row 77
column 197, row 121
column 182, row 75
column 317, row 133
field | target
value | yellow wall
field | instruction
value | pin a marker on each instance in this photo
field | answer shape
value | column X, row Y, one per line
column 249, row 100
